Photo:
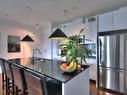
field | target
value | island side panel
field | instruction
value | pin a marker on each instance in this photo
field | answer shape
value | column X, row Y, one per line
column 79, row 85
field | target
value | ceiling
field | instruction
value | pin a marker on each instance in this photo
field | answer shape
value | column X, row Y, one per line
column 43, row 12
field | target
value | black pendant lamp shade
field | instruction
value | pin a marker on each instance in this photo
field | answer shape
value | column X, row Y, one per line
column 27, row 38
column 58, row 34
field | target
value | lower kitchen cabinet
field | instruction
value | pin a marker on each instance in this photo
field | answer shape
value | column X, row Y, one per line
column 93, row 71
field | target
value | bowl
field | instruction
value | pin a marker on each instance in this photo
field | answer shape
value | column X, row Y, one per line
column 68, row 70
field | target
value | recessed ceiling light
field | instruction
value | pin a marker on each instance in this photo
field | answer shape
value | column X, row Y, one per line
column 66, row 12
column 27, row 7
column 74, row 7
column 5, row 14
column 37, row 26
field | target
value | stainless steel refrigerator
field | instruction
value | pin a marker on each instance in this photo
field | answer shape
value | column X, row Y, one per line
column 112, row 61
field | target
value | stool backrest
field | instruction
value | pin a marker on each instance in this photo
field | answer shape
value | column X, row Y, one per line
column 18, row 74
column 8, row 69
column 2, row 65
column 36, row 83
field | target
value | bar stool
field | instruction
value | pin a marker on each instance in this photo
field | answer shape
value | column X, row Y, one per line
column 9, row 76
column 36, row 83
column 4, row 78
column 54, row 87
column 19, row 79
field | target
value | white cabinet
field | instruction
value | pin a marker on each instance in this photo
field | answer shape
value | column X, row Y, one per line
column 105, row 22
column 120, row 18
column 79, row 85
column 93, row 71
column 91, row 29
column 93, row 68
column 115, row 20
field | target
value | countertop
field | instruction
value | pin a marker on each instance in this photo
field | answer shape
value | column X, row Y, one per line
column 49, row 68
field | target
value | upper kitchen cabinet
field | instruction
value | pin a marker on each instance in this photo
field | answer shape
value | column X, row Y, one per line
column 115, row 20
column 91, row 28
column 120, row 18
column 105, row 22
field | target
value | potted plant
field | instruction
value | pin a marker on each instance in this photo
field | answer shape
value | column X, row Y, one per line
column 73, row 51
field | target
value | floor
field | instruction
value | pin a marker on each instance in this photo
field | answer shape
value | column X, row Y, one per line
column 93, row 90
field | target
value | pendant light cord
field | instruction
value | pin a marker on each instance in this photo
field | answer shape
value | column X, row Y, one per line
column 28, row 16
column 27, row 37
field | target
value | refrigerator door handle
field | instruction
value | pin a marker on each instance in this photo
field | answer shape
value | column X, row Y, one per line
column 116, row 70
column 100, row 46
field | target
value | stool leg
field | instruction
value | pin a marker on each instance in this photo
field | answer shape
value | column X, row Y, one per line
column 7, row 86
column 3, row 83
column 16, row 90
column 13, row 90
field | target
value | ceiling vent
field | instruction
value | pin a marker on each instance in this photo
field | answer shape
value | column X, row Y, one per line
column 91, row 19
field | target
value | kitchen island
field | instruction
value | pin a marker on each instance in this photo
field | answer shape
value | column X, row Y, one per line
column 76, row 83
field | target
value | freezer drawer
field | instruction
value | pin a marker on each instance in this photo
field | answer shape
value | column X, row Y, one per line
column 112, row 79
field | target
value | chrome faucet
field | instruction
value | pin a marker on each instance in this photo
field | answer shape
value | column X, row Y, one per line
column 34, row 53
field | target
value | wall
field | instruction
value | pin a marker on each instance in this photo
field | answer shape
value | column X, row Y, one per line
column 73, row 27
column 46, row 43
column 12, row 28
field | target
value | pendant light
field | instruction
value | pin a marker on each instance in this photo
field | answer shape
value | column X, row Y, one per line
column 58, row 33
column 27, row 38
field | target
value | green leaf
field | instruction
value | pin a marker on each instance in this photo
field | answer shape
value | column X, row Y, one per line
column 74, row 50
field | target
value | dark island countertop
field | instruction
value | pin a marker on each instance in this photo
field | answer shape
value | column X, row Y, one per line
column 49, row 68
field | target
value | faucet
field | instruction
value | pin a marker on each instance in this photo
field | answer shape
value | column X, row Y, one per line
column 34, row 53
